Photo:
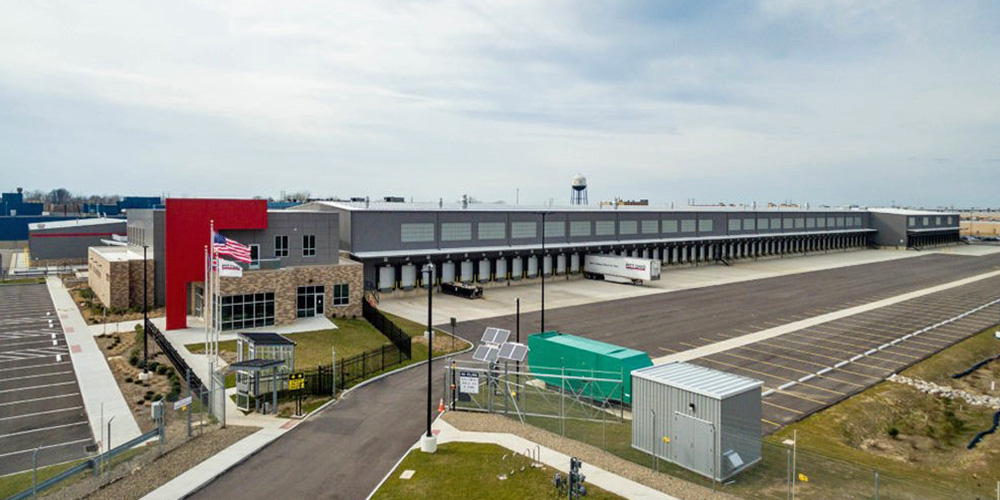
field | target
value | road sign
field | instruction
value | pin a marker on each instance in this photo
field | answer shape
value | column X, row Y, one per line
column 181, row 403
column 296, row 382
column 468, row 382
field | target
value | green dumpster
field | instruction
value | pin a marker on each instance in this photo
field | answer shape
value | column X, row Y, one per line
column 555, row 353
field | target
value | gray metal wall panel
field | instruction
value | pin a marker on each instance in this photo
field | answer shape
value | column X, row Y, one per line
column 42, row 243
column 159, row 253
column 295, row 224
column 740, row 429
column 891, row 228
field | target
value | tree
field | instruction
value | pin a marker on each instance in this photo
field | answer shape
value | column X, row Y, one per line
column 302, row 195
column 59, row 196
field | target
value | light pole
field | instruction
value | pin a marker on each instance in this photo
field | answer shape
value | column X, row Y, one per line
column 145, row 315
column 428, row 444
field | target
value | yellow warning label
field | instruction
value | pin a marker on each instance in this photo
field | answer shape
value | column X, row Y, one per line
column 666, row 439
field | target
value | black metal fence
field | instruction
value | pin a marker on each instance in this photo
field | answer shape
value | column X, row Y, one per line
column 396, row 335
column 175, row 358
column 350, row 371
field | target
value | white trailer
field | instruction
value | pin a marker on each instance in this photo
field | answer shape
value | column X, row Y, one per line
column 621, row 269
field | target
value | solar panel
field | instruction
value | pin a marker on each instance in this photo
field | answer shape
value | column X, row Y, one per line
column 495, row 336
column 512, row 351
column 486, row 354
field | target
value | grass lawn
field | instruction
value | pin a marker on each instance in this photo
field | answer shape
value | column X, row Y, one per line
column 352, row 336
column 444, row 343
column 16, row 483
column 460, row 471
column 23, row 281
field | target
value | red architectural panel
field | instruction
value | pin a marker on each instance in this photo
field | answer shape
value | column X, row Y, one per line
column 187, row 234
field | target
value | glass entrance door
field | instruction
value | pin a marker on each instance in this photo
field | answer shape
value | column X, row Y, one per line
column 309, row 301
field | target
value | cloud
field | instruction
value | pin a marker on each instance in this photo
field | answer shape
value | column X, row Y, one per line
column 664, row 100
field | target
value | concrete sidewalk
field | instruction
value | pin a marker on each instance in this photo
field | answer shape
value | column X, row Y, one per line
column 771, row 333
column 97, row 383
column 595, row 475
column 216, row 465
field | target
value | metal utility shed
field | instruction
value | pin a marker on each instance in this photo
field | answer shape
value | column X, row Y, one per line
column 705, row 420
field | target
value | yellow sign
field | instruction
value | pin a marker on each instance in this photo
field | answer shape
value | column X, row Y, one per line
column 666, row 439
column 803, row 478
column 296, row 382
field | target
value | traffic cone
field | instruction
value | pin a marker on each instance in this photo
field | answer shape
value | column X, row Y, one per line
column 441, row 406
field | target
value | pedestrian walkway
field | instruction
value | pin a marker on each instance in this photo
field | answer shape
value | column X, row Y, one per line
column 97, row 384
column 613, row 483
column 214, row 466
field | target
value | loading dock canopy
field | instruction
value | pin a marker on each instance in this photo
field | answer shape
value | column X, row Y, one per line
column 698, row 379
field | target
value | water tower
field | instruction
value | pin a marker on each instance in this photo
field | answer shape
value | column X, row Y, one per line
column 578, row 196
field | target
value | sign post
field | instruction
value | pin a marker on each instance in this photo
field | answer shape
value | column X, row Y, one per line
column 297, row 382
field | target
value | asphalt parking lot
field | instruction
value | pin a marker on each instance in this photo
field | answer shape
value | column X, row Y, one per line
column 797, row 355
column 40, row 404
column 666, row 323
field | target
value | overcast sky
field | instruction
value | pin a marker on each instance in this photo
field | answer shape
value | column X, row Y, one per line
column 829, row 102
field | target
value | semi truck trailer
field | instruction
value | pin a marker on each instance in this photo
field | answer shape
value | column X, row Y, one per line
column 621, row 269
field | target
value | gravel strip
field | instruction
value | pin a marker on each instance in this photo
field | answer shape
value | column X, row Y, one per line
column 148, row 471
column 482, row 422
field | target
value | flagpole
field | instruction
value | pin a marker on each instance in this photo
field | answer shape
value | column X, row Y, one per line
column 210, row 326
column 205, row 304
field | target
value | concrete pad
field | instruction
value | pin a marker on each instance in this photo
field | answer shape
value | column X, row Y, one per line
column 560, row 292
column 97, row 384
column 771, row 333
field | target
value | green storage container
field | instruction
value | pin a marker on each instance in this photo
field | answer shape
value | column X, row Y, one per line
column 553, row 352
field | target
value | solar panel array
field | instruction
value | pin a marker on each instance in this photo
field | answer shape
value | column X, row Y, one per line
column 495, row 336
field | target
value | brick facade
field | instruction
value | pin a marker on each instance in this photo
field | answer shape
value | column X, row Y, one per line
column 284, row 284
column 115, row 276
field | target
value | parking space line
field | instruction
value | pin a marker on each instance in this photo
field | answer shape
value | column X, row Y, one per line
column 804, row 372
column 800, row 360
column 38, row 386
column 797, row 412
column 42, row 429
column 36, row 376
column 42, row 413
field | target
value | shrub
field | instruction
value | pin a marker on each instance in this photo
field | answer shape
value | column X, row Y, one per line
column 128, row 380
column 133, row 360
column 173, row 396
column 157, row 397
column 161, row 370
column 893, row 432
column 153, row 366
column 148, row 396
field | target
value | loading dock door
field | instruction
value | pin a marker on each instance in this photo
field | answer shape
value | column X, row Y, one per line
column 692, row 443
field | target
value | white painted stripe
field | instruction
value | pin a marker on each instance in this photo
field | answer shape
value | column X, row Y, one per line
column 767, row 393
column 31, row 431
column 67, row 443
column 855, row 358
column 807, row 378
column 884, row 346
column 36, row 376
column 785, row 386
column 38, row 386
column 825, row 370
column 869, row 352
column 42, row 413
column 24, row 401
column 30, row 367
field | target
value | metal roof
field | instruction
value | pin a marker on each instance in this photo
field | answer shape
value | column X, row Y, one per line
column 35, row 226
column 908, row 211
column 698, row 379
column 256, row 364
column 262, row 338
column 383, row 206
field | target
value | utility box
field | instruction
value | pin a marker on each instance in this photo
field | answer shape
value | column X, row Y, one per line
column 705, row 420
column 555, row 352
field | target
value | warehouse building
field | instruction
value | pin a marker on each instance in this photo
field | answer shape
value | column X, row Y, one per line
column 66, row 242
column 499, row 244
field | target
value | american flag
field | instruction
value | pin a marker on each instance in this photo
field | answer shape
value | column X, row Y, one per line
column 225, row 246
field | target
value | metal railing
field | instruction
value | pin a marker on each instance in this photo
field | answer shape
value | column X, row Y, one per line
column 395, row 334
column 183, row 370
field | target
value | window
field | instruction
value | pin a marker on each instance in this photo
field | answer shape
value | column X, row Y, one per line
column 650, row 227
column 688, row 226
column 927, row 221
column 810, row 223
column 857, row 221
column 705, row 225
column 911, row 222
column 937, row 221
column 762, row 224
column 831, row 222
column 800, row 222
column 555, row 229
column 951, row 220
column 748, row 224
column 456, row 231
column 579, row 228
column 669, row 226
column 787, row 223
column 604, row 228
column 840, row 222
column 341, row 294
column 850, row 222
column 247, row 311
column 308, row 245
column 628, row 227
column 416, row 232
column 775, row 223
column 523, row 230
column 281, row 246
column 492, row 230
column 735, row 225
column 254, row 256
column 821, row 222
column 309, row 301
